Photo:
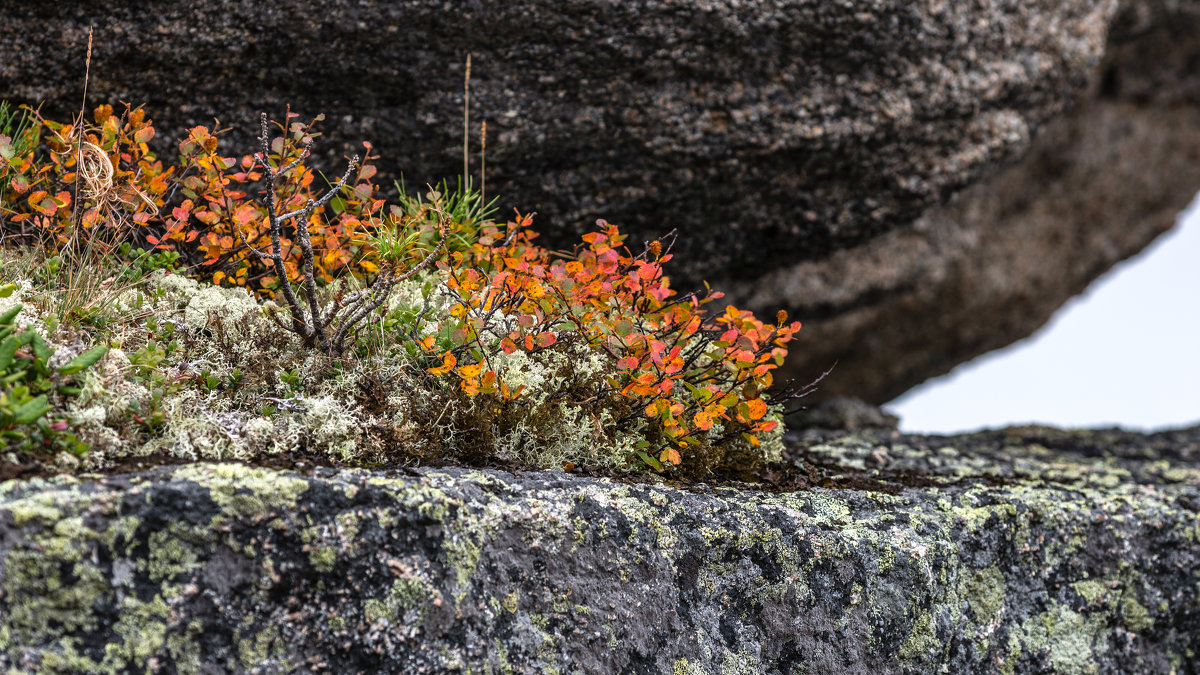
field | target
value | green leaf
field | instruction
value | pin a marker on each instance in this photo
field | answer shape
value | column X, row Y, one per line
column 40, row 348
column 5, row 291
column 28, row 412
column 84, row 360
column 13, row 377
column 654, row 463
column 697, row 393
column 6, row 318
column 69, row 391
column 8, row 349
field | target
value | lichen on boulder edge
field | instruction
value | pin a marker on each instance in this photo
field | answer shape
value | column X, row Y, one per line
column 1016, row 551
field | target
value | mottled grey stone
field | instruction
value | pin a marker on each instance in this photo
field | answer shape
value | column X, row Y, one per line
column 1024, row 550
column 994, row 264
column 767, row 132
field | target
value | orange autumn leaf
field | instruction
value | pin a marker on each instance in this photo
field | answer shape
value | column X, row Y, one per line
column 448, row 362
column 757, row 408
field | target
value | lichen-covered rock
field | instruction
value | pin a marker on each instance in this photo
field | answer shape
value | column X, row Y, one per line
column 1027, row 550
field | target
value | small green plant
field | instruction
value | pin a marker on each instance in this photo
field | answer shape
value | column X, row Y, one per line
column 462, row 206
column 293, row 380
column 27, row 384
column 140, row 262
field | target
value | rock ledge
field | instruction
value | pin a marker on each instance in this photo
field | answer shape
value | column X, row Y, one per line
column 1027, row 550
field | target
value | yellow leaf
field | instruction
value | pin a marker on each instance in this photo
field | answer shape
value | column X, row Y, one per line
column 448, row 362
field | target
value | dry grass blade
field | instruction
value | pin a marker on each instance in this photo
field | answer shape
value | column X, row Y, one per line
column 95, row 173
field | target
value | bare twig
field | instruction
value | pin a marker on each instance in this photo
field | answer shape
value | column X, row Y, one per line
column 323, row 327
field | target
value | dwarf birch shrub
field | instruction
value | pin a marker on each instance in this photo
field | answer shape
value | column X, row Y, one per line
column 421, row 328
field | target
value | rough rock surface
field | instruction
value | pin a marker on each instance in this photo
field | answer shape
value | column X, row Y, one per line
column 1028, row 550
column 767, row 132
column 992, row 266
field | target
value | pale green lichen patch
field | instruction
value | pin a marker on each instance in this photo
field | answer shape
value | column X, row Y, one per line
column 242, row 491
column 1134, row 615
column 323, row 558
column 1073, row 643
column 1092, row 591
column 922, row 641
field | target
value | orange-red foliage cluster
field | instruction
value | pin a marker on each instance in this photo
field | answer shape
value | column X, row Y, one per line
column 686, row 371
column 203, row 207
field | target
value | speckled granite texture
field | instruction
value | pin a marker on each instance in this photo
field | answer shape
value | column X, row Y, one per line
column 994, row 264
column 766, row 131
column 1028, row 550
